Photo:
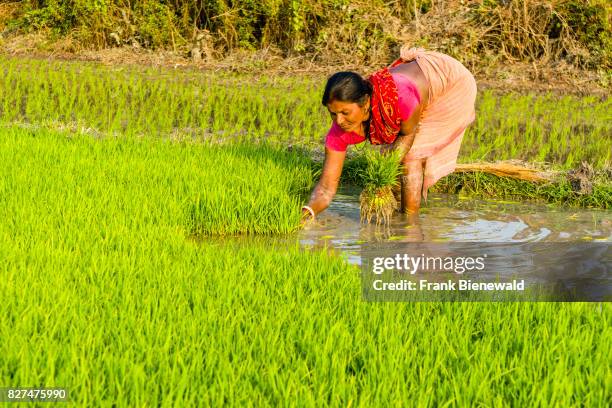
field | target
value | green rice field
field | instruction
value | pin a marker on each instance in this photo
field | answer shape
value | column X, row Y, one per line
column 123, row 192
column 224, row 106
column 551, row 131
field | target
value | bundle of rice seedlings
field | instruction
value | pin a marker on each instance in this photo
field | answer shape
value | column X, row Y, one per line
column 380, row 177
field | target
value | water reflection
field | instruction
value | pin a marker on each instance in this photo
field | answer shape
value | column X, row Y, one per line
column 449, row 218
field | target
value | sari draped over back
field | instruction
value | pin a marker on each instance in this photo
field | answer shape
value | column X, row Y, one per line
column 449, row 111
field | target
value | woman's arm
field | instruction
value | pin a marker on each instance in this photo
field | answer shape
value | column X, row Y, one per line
column 408, row 129
column 326, row 188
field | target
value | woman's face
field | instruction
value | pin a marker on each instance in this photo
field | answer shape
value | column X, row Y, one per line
column 349, row 115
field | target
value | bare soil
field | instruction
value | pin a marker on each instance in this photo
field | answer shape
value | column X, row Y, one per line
column 519, row 77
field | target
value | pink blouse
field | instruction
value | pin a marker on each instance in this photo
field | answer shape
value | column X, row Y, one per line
column 408, row 99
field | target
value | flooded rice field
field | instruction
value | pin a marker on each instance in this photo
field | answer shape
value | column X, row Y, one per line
column 451, row 218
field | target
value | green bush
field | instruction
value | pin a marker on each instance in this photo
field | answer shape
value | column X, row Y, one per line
column 343, row 30
column 590, row 23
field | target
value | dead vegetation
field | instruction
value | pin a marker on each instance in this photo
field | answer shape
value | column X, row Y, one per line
column 483, row 34
column 512, row 169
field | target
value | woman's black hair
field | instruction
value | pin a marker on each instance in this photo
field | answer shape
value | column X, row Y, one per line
column 347, row 87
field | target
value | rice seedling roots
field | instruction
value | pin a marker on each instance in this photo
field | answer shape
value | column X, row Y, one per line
column 377, row 203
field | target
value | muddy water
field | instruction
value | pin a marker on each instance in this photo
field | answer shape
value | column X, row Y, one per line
column 450, row 218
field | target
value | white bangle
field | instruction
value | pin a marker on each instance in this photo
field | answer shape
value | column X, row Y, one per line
column 310, row 210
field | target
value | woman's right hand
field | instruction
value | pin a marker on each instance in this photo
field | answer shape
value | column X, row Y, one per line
column 307, row 217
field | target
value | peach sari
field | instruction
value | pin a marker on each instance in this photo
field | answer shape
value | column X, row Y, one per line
column 450, row 109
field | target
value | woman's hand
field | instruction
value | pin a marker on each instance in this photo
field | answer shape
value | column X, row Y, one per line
column 307, row 215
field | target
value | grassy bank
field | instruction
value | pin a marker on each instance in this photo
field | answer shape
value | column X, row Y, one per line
column 105, row 293
column 557, row 192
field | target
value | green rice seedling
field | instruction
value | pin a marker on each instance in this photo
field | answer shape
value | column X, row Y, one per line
column 106, row 293
column 379, row 178
column 562, row 131
column 224, row 190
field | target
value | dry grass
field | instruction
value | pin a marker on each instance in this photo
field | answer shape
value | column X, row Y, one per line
column 482, row 34
column 509, row 169
column 8, row 11
column 506, row 44
column 520, row 76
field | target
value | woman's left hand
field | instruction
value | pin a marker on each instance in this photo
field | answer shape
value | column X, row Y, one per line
column 386, row 149
column 307, row 217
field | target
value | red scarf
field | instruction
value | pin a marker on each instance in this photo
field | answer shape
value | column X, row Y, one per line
column 384, row 117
